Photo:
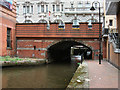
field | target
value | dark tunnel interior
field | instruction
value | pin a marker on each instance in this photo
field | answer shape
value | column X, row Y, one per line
column 61, row 51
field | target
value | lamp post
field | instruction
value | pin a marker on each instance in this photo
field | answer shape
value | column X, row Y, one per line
column 100, row 37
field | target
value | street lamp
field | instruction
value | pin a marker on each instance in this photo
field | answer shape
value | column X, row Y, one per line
column 100, row 36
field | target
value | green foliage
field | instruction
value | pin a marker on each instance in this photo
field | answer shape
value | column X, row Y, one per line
column 18, row 59
column 8, row 58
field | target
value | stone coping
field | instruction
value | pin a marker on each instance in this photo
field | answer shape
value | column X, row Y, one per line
column 22, row 62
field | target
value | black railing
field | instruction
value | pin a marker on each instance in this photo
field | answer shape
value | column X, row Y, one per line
column 116, row 39
column 119, row 41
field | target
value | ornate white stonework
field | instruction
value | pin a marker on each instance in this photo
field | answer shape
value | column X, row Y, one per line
column 35, row 11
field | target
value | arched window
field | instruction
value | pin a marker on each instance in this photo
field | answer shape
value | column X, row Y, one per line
column 42, row 21
column 28, row 21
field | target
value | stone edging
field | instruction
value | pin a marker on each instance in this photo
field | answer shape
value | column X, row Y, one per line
column 22, row 62
column 80, row 78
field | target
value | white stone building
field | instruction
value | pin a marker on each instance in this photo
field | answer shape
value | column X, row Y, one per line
column 45, row 11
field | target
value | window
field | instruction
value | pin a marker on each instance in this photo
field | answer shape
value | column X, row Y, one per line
column 71, row 5
column 28, row 9
column 42, row 8
column 57, row 7
column 8, row 37
column 61, row 7
column 32, row 9
column 80, row 5
column 28, row 21
column 34, row 47
column 61, row 25
column 24, row 10
column 90, row 23
column 42, row 21
column 46, row 8
column 111, row 22
column 38, row 8
column 87, row 4
column 95, row 5
column 17, row 10
column 75, row 24
column 53, row 8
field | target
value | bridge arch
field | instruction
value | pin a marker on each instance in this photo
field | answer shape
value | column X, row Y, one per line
column 61, row 50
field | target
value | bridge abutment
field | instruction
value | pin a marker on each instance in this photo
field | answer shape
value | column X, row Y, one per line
column 37, row 48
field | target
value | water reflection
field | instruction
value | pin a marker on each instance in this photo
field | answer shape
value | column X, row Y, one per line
column 55, row 75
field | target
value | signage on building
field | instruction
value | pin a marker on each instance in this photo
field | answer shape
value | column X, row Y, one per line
column 7, row 3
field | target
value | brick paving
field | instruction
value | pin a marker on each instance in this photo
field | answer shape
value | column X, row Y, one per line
column 102, row 75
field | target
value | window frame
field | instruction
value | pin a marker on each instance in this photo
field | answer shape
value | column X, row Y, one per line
column 28, row 9
column 53, row 8
column 72, row 5
column 62, row 7
column 17, row 9
column 32, row 9
column 96, row 5
column 57, row 8
column 42, row 9
column 80, row 5
column 38, row 7
column 87, row 4
column 46, row 8
column 111, row 23
column 9, row 43
column 24, row 9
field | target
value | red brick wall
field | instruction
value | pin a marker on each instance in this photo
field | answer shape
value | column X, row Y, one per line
column 25, row 47
column 40, row 30
column 7, row 20
column 114, row 57
column 30, row 35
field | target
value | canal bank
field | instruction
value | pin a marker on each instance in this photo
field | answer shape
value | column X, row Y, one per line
column 24, row 62
column 80, row 78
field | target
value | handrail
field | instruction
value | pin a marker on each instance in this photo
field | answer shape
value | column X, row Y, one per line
column 116, row 39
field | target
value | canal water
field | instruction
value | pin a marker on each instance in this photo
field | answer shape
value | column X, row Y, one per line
column 55, row 75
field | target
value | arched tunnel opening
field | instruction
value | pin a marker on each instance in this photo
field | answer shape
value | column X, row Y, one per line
column 62, row 51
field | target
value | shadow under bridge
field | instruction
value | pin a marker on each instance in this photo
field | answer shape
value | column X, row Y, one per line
column 63, row 50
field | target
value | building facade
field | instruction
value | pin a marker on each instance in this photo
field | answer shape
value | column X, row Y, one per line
column 62, row 11
column 7, row 27
column 113, row 28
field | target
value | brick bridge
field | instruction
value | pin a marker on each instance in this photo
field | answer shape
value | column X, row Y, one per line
column 36, row 40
